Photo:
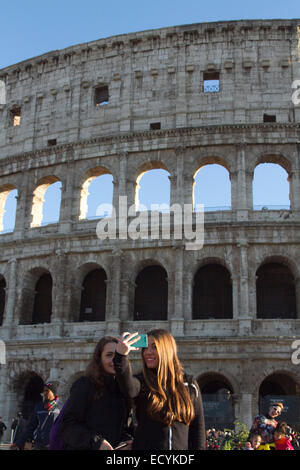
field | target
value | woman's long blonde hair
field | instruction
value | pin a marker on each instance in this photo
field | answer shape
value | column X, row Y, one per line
column 169, row 398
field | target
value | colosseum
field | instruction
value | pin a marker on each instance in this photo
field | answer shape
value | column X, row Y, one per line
column 175, row 99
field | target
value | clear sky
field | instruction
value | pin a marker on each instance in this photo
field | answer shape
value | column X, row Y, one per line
column 33, row 27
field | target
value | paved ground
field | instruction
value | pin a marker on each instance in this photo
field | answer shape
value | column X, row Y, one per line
column 4, row 446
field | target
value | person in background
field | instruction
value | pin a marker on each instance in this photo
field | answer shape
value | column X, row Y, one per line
column 96, row 413
column 169, row 408
column 254, row 442
column 37, row 431
column 265, row 425
column 281, row 441
column 18, row 427
column 2, row 429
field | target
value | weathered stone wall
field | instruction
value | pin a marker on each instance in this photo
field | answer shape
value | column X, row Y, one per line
column 154, row 76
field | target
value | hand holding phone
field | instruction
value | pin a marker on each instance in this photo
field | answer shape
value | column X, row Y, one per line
column 128, row 342
column 120, row 446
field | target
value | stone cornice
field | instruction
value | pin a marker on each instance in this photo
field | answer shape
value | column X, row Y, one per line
column 120, row 139
column 198, row 33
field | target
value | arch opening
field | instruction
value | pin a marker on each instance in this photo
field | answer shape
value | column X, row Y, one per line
column 151, row 294
column 212, row 293
column 275, row 292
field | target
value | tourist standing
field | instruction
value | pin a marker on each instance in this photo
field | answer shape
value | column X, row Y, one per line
column 169, row 407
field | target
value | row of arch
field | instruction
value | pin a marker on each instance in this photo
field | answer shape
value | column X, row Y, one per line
column 216, row 388
column 211, row 187
column 212, row 294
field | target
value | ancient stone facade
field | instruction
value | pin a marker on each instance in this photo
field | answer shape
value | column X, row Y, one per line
column 52, row 128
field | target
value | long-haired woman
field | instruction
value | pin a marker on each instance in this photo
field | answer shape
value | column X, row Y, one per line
column 169, row 408
column 96, row 412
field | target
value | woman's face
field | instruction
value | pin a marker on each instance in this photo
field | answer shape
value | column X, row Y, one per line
column 150, row 354
column 107, row 356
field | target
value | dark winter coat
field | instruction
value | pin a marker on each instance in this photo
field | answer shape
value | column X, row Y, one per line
column 155, row 435
column 88, row 421
column 39, row 426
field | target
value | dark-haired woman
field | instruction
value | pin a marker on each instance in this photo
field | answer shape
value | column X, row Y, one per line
column 169, row 408
column 95, row 416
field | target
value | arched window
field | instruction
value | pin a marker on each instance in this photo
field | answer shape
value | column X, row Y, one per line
column 212, row 188
column 2, row 298
column 212, row 293
column 270, row 187
column 93, row 296
column 146, row 197
column 217, row 399
column 32, row 393
column 46, row 202
column 8, row 207
column 96, row 197
column 280, row 387
column 275, row 292
column 42, row 308
column 151, row 294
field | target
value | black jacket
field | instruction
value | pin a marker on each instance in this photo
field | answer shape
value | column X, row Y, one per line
column 86, row 421
column 154, row 435
column 39, row 426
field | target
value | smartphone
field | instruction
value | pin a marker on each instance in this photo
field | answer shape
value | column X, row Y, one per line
column 142, row 342
column 121, row 446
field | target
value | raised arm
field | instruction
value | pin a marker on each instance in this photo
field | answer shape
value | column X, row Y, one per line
column 130, row 386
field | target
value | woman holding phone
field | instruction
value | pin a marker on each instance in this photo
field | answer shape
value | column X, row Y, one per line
column 169, row 408
column 95, row 415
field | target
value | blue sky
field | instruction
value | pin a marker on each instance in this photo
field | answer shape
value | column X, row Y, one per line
column 30, row 28
column 33, row 27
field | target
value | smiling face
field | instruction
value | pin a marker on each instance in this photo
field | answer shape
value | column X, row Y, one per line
column 256, row 441
column 107, row 356
column 150, row 354
column 274, row 411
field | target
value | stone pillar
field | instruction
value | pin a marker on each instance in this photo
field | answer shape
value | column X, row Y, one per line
column 177, row 317
column 241, row 185
column 124, row 297
column 121, row 201
column 294, row 180
column 65, row 218
column 246, row 414
column 10, row 296
column 183, row 193
column 181, row 102
column 297, row 289
column 188, row 285
column 245, row 324
column 235, row 297
column 113, row 322
column 24, row 206
column 58, row 294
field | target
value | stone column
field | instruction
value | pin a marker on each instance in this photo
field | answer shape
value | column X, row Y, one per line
column 184, row 182
column 124, row 297
column 65, row 218
column 113, row 322
column 235, row 297
column 24, row 206
column 181, row 102
column 294, row 181
column 188, row 285
column 241, row 185
column 177, row 318
column 58, row 294
column 10, row 297
column 246, row 414
column 297, row 289
column 244, row 318
column 121, row 201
